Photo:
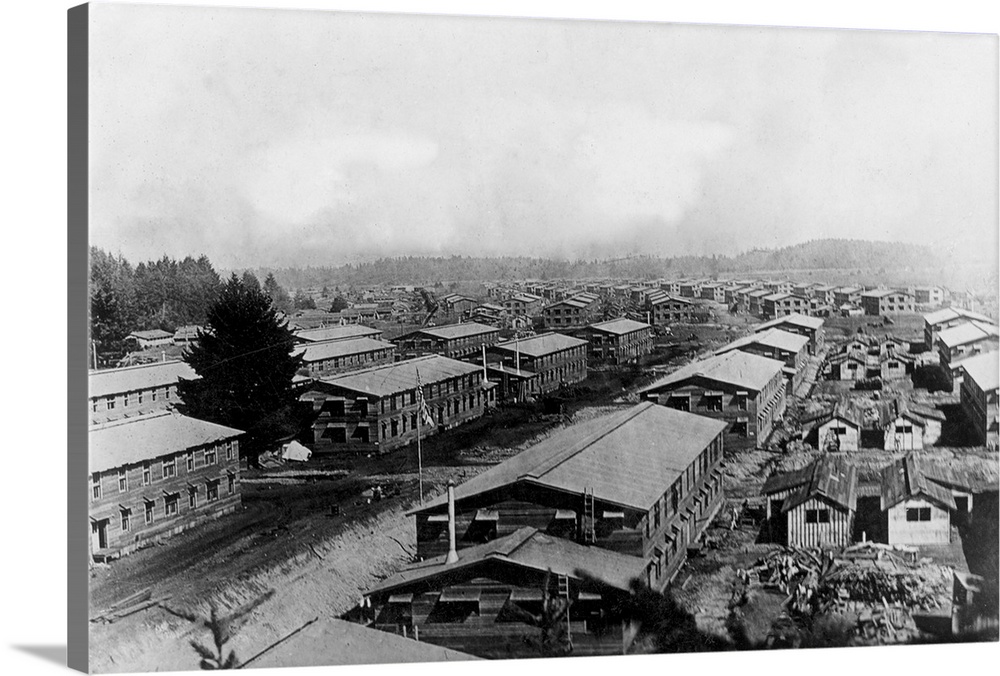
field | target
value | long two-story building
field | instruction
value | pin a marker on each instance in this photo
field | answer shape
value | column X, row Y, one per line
column 665, row 310
column 328, row 333
column 617, row 341
column 378, row 409
column 980, row 394
column 783, row 304
column 456, row 341
column 810, row 327
column 643, row 482
column 155, row 475
column 539, row 364
column 745, row 390
column 886, row 302
column 959, row 343
column 946, row 318
column 342, row 356
column 571, row 313
column 129, row 391
column 790, row 348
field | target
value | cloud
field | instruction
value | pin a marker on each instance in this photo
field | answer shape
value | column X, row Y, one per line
column 291, row 180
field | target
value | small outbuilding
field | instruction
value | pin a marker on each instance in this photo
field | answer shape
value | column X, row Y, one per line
column 915, row 510
column 813, row 506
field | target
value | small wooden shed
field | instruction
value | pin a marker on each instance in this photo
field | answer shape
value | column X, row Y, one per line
column 813, row 506
column 915, row 510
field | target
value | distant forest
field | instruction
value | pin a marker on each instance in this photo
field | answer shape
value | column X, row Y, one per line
column 815, row 255
column 163, row 294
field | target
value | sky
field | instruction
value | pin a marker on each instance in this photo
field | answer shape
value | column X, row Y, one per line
column 270, row 138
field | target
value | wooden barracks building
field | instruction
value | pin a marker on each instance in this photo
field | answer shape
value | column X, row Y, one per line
column 116, row 393
column 456, row 341
column 643, row 482
column 790, row 348
column 476, row 602
column 745, row 390
column 810, row 327
column 617, row 341
column 538, row 365
column 342, row 356
column 155, row 475
column 376, row 409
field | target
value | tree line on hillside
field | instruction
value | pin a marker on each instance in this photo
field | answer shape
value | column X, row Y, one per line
column 162, row 294
column 814, row 255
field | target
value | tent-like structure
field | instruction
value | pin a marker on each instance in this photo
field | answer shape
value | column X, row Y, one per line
column 293, row 450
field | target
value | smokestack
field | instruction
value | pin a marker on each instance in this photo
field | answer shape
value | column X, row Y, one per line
column 517, row 355
column 452, row 551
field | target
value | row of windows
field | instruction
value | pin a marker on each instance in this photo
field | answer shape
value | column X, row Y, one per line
column 129, row 399
column 397, row 426
column 666, row 553
column 171, row 502
column 167, row 466
column 709, row 402
column 667, row 505
column 349, row 360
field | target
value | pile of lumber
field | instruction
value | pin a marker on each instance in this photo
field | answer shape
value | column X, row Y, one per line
column 878, row 587
column 129, row 605
column 876, row 574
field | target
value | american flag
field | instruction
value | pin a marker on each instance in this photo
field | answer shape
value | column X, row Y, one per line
column 422, row 407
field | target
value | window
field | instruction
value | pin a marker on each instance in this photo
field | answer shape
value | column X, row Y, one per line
column 122, row 481
column 232, row 482
column 210, row 456
column 111, row 403
column 741, row 401
column 713, row 402
column 170, row 504
column 839, row 431
column 150, row 506
column 170, row 467
column 192, row 496
column 95, row 485
column 152, row 395
column 190, row 461
column 212, row 490
column 138, row 397
column 918, row 514
column 230, row 449
column 126, row 516
column 817, row 516
column 146, row 474
column 125, row 401
column 93, row 406
column 166, row 392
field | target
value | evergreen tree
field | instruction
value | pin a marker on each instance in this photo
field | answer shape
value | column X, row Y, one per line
column 246, row 366
column 279, row 297
column 250, row 280
column 113, row 309
column 303, row 301
column 339, row 303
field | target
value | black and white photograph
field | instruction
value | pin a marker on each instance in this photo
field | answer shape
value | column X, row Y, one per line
column 422, row 337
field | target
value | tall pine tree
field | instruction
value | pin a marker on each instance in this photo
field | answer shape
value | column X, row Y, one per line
column 245, row 361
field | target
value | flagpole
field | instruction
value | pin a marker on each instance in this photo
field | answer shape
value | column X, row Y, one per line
column 420, row 415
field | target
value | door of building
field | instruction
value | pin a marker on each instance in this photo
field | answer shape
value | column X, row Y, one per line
column 98, row 535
